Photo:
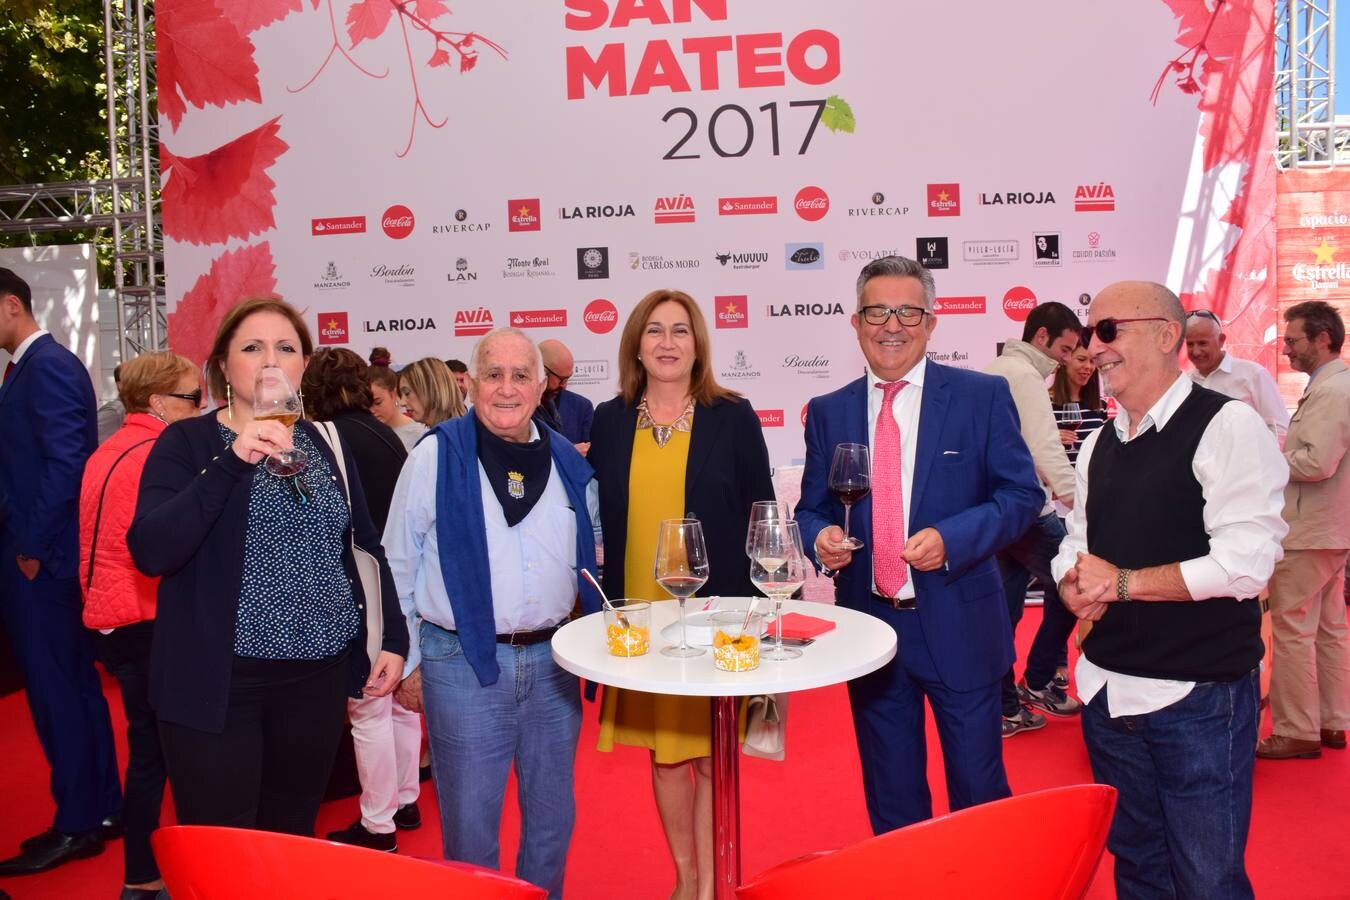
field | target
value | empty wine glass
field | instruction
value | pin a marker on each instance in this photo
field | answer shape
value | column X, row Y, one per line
column 778, row 569
column 850, row 481
column 681, row 568
column 765, row 511
column 273, row 398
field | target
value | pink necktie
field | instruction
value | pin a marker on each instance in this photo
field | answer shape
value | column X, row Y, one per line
column 888, row 499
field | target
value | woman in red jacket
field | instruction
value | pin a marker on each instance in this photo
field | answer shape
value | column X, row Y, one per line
column 119, row 602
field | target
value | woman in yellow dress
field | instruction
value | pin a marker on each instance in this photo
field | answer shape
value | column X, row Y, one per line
column 674, row 443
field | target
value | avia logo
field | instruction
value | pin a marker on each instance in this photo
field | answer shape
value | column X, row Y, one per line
column 473, row 322
column 338, row 225
column 953, row 306
column 944, row 199
column 812, row 203
column 333, row 328
column 732, row 311
column 615, row 211
column 539, row 318
column 600, row 316
column 1097, row 197
column 1018, row 303
column 770, row 418
column 381, row 325
column 397, row 221
column 674, row 210
column 747, row 206
column 522, row 215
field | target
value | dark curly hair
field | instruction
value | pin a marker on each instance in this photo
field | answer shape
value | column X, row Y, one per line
column 335, row 381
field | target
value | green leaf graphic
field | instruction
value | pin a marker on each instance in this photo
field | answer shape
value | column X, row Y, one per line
column 838, row 115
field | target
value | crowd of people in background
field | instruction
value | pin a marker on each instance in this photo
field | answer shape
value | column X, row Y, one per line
column 255, row 580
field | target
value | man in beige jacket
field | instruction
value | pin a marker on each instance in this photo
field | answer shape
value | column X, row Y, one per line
column 1049, row 337
column 1310, row 679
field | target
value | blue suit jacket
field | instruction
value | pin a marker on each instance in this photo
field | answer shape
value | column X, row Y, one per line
column 974, row 482
column 49, row 425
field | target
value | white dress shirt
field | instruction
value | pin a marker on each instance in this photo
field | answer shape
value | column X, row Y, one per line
column 27, row 342
column 1242, row 475
column 905, row 408
column 1249, row 382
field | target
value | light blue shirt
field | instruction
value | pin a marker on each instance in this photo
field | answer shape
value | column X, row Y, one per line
column 532, row 565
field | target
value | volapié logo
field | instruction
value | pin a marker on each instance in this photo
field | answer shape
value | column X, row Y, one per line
column 522, row 215
column 333, row 328
column 865, row 256
column 592, row 263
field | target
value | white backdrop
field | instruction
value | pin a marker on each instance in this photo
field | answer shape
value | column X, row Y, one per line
column 64, row 279
column 560, row 187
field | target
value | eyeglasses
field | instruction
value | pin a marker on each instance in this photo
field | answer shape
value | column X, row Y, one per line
column 905, row 315
column 562, row 379
column 195, row 398
column 1204, row 314
column 1290, row 342
column 1107, row 330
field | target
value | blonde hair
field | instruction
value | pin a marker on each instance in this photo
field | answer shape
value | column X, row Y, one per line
column 150, row 373
column 703, row 386
column 435, row 387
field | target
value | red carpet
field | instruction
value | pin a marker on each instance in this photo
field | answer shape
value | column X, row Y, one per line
column 811, row 801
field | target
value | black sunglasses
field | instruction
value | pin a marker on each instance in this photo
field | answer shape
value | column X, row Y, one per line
column 1107, row 330
column 562, row 379
column 195, row 398
column 1204, row 314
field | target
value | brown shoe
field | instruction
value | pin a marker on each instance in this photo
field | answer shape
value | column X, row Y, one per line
column 1333, row 739
column 1277, row 746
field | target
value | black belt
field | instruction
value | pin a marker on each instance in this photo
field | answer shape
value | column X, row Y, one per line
column 520, row 638
column 896, row 602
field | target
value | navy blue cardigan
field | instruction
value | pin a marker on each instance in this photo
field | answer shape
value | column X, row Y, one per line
column 191, row 518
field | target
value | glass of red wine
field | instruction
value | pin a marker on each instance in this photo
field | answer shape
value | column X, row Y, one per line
column 850, row 481
column 681, row 568
column 1071, row 416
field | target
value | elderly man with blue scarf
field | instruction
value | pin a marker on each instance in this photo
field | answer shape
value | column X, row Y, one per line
column 488, row 528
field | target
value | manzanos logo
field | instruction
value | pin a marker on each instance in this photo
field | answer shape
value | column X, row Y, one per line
column 333, row 328
column 473, row 322
column 812, row 203
column 600, row 316
column 1018, row 303
column 397, row 221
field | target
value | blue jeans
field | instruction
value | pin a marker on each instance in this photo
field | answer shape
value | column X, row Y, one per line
column 531, row 717
column 1184, row 774
column 1030, row 555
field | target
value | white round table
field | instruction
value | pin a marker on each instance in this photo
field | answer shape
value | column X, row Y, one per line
column 858, row 644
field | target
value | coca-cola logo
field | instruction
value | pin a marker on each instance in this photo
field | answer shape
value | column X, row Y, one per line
column 804, row 407
column 812, row 203
column 600, row 316
column 397, row 221
column 1018, row 303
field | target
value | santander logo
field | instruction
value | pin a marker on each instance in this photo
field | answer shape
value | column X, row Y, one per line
column 600, row 316
column 812, row 203
column 1018, row 303
column 397, row 221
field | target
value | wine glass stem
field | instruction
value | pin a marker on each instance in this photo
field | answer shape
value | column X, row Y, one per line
column 778, row 626
column 848, row 508
column 683, row 644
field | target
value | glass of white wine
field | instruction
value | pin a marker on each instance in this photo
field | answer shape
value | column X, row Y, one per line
column 681, row 568
column 778, row 569
column 275, row 399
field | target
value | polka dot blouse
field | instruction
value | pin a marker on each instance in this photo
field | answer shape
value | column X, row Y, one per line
column 295, row 601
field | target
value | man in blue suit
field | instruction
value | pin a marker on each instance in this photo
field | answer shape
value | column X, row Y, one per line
column 48, row 422
column 565, row 412
column 952, row 483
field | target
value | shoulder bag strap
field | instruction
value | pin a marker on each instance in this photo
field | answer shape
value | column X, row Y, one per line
column 98, row 513
column 384, row 439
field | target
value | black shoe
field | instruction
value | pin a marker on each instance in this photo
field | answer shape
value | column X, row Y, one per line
column 51, row 849
column 424, row 773
column 357, row 836
column 110, row 829
column 131, row 893
column 408, row 816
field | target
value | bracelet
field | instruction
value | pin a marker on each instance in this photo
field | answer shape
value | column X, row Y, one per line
column 1123, row 585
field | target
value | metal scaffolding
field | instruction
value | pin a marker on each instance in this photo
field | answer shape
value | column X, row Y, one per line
column 1307, row 136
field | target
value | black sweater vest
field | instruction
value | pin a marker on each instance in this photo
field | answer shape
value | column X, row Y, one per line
column 1145, row 508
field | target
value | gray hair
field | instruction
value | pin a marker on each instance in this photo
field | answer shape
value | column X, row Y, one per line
column 902, row 267
column 480, row 348
column 1170, row 308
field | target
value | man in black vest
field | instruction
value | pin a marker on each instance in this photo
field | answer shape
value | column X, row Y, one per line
column 1176, row 530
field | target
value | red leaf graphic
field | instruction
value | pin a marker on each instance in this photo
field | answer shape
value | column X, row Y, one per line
column 368, row 19
column 439, row 58
column 467, row 60
column 202, row 57
column 250, row 15
column 234, row 276
column 222, row 194
column 426, row 10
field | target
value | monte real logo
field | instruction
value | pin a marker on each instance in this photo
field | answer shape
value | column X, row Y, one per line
column 1097, row 197
column 811, row 203
column 1046, row 249
column 600, row 316
column 338, row 225
column 816, row 366
column 749, row 259
column 740, row 368
column 462, row 273
column 375, row 326
column 944, row 199
column 592, row 262
column 989, row 253
column 675, row 210
column 747, row 206
column 522, row 215
column 799, row 310
column 879, row 207
column 1017, row 198
column 931, row 252
column 397, row 221
column 461, row 225
column 538, row 318
column 333, row 328
column 528, row 267
column 1018, row 303
column 804, row 256
column 403, row 276
column 731, row 311
column 332, row 280
column 607, row 211
column 473, row 322
column 956, row 306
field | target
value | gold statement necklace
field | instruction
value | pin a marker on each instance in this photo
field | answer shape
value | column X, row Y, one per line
column 662, row 433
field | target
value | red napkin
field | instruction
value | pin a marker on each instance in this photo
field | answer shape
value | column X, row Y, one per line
column 798, row 625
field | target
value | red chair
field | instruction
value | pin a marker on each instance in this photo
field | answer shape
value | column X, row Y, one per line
column 202, row 862
column 1041, row 846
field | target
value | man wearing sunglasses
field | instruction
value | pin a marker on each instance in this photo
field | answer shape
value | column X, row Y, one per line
column 952, row 483
column 1174, row 535
column 565, row 412
column 1241, row 379
column 1310, row 675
